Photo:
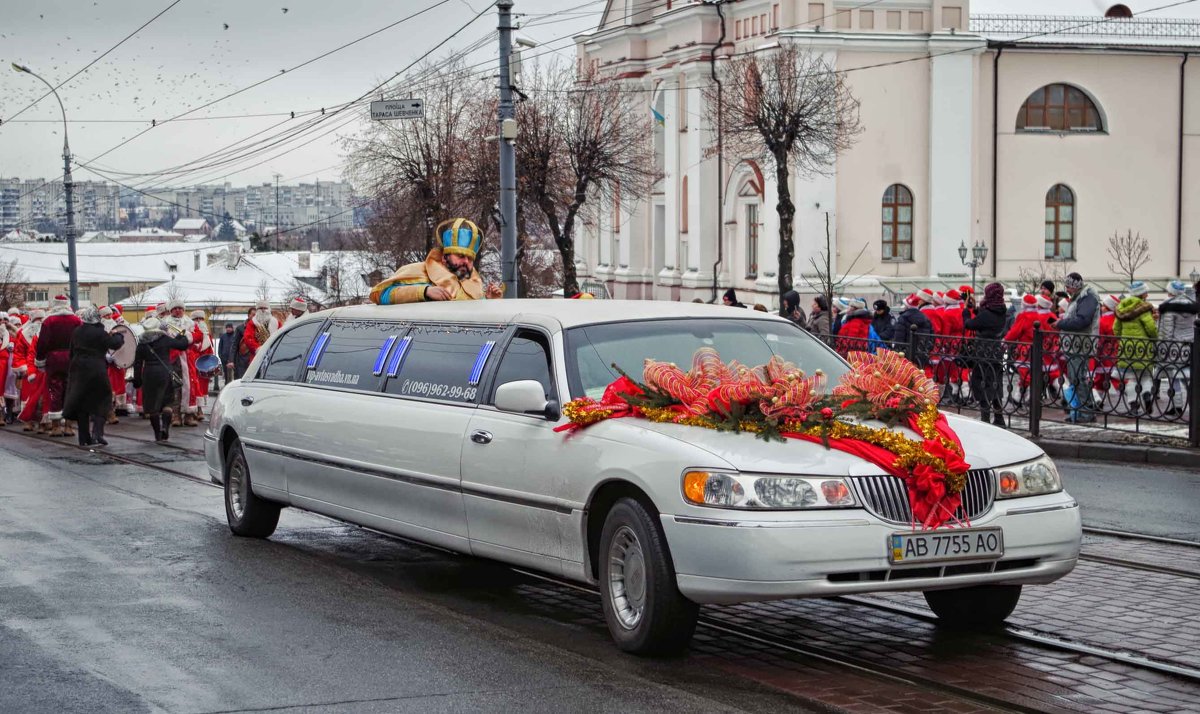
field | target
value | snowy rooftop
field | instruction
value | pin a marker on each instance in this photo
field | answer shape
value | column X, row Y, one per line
column 278, row 275
column 108, row 262
column 190, row 224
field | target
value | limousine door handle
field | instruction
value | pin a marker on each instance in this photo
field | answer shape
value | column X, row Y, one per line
column 481, row 437
column 247, row 401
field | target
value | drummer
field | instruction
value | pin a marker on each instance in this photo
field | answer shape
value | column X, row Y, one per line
column 118, row 360
column 198, row 351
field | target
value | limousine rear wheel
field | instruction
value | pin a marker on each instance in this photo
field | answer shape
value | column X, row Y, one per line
column 248, row 515
column 644, row 610
column 980, row 606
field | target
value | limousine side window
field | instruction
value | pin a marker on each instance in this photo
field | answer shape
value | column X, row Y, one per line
column 355, row 355
column 527, row 357
column 445, row 362
column 287, row 358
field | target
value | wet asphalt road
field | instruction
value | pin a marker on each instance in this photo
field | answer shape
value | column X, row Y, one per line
column 122, row 590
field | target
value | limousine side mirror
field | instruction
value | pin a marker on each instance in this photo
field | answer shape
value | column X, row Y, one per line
column 525, row 396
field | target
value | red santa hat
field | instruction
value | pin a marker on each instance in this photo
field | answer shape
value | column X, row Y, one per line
column 912, row 301
column 1044, row 303
column 1029, row 301
column 161, row 307
column 925, row 295
column 953, row 296
column 298, row 304
column 1110, row 301
column 60, row 302
column 116, row 310
column 1063, row 304
column 939, row 298
column 151, row 310
column 966, row 289
column 105, row 311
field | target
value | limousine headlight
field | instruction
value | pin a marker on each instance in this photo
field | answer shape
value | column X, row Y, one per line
column 1029, row 478
column 725, row 489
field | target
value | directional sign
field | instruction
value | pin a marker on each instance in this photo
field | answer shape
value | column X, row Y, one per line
column 398, row 109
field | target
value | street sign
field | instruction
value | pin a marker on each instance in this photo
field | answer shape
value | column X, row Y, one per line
column 398, row 109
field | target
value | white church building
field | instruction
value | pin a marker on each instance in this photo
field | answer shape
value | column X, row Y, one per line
column 1038, row 136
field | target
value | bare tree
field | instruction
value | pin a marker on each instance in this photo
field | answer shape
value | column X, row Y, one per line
column 12, row 284
column 174, row 292
column 825, row 280
column 580, row 137
column 262, row 293
column 1030, row 279
column 791, row 107
column 1129, row 253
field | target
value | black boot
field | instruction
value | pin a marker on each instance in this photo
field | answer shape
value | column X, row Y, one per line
column 998, row 419
column 167, row 415
column 156, row 423
column 85, row 432
column 98, row 423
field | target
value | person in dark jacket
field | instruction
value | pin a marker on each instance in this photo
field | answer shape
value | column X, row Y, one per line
column 789, row 307
column 152, row 374
column 226, row 352
column 89, row 391
column 913, row 321
column 883, row 323
column 1078, row 328
column 820, row 321
column 730, row 299
column 984, row 354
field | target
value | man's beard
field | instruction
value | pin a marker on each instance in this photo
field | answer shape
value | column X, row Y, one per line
column 262, row 318
column 462, row 272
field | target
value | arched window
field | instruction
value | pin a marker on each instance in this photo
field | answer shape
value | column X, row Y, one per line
column 1059, row 107
column 897, row 223
column 1060, row 222
column 1118, row 11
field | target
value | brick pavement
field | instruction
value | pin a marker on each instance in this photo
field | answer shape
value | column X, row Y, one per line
column 993, row 665
column 1147, row 613
column 1166, row 555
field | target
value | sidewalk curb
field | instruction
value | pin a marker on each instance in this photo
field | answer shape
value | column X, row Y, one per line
column 1123, row 453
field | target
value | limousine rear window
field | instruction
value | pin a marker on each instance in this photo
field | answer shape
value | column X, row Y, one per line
column 287, row 358
column 591, row 350
column 350, row 357
column 445, row 362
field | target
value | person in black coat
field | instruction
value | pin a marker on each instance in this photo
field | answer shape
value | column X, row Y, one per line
column 242, row 353
column 89, row 391
column 984, row 355
column 227, row 351
column 882, row 321
column 152, row 374
column 912, row 321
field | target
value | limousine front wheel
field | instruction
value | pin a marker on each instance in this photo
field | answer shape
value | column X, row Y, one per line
column 248, row 515
column 644, row 610
column 977, row 607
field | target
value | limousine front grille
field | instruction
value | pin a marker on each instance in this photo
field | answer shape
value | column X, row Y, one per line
column 886, row 497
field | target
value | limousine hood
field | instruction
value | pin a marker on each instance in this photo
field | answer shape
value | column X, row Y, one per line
column 986, row 446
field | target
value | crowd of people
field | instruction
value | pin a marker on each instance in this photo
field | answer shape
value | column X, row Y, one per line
column 68, row 373
column 1110, row 353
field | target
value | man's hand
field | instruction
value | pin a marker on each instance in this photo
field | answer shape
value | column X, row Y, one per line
column 433, row 292
column 495, row 291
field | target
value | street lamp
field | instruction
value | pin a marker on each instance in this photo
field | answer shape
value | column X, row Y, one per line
column 978, row 252
column 68, row 191
column 1195, row 276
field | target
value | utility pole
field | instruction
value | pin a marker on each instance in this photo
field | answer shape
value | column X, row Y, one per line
column 68, row 191
column 277, row 213
column 508, row 159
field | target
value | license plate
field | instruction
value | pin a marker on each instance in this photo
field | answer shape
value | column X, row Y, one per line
column 945, row 545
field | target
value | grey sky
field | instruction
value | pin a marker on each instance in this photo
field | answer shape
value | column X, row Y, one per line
column 187, row 58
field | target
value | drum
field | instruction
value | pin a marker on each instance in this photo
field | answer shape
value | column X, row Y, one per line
column 208, row 364
column 123, row 355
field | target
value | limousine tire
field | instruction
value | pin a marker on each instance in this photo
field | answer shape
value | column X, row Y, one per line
column 248, row 515
column 644, row 610
column 971, row 608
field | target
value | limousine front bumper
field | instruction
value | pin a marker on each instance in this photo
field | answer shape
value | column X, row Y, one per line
column 721, row 559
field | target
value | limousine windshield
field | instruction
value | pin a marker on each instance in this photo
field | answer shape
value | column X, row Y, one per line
column 591, row 350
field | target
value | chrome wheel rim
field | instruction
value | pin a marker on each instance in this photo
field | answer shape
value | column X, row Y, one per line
column 627, row 577
column 237, row 488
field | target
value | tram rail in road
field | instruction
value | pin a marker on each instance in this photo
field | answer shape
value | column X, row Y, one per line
column 760, row 636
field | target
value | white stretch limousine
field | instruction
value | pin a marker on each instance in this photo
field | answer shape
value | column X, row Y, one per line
column 436, row 422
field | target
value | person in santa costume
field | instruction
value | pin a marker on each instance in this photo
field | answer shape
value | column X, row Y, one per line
column 8, row 387
column 1107, row 346
column 24, row 364
column 176, row 323
column 297, row 308
column 118, row 376
column 54, row 356
column 202, row 344
column 259, row 328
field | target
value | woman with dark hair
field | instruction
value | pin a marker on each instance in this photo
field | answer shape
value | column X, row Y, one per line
column 89, row 391
column 730, row 299
column 984, row 354
column 820, row 321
